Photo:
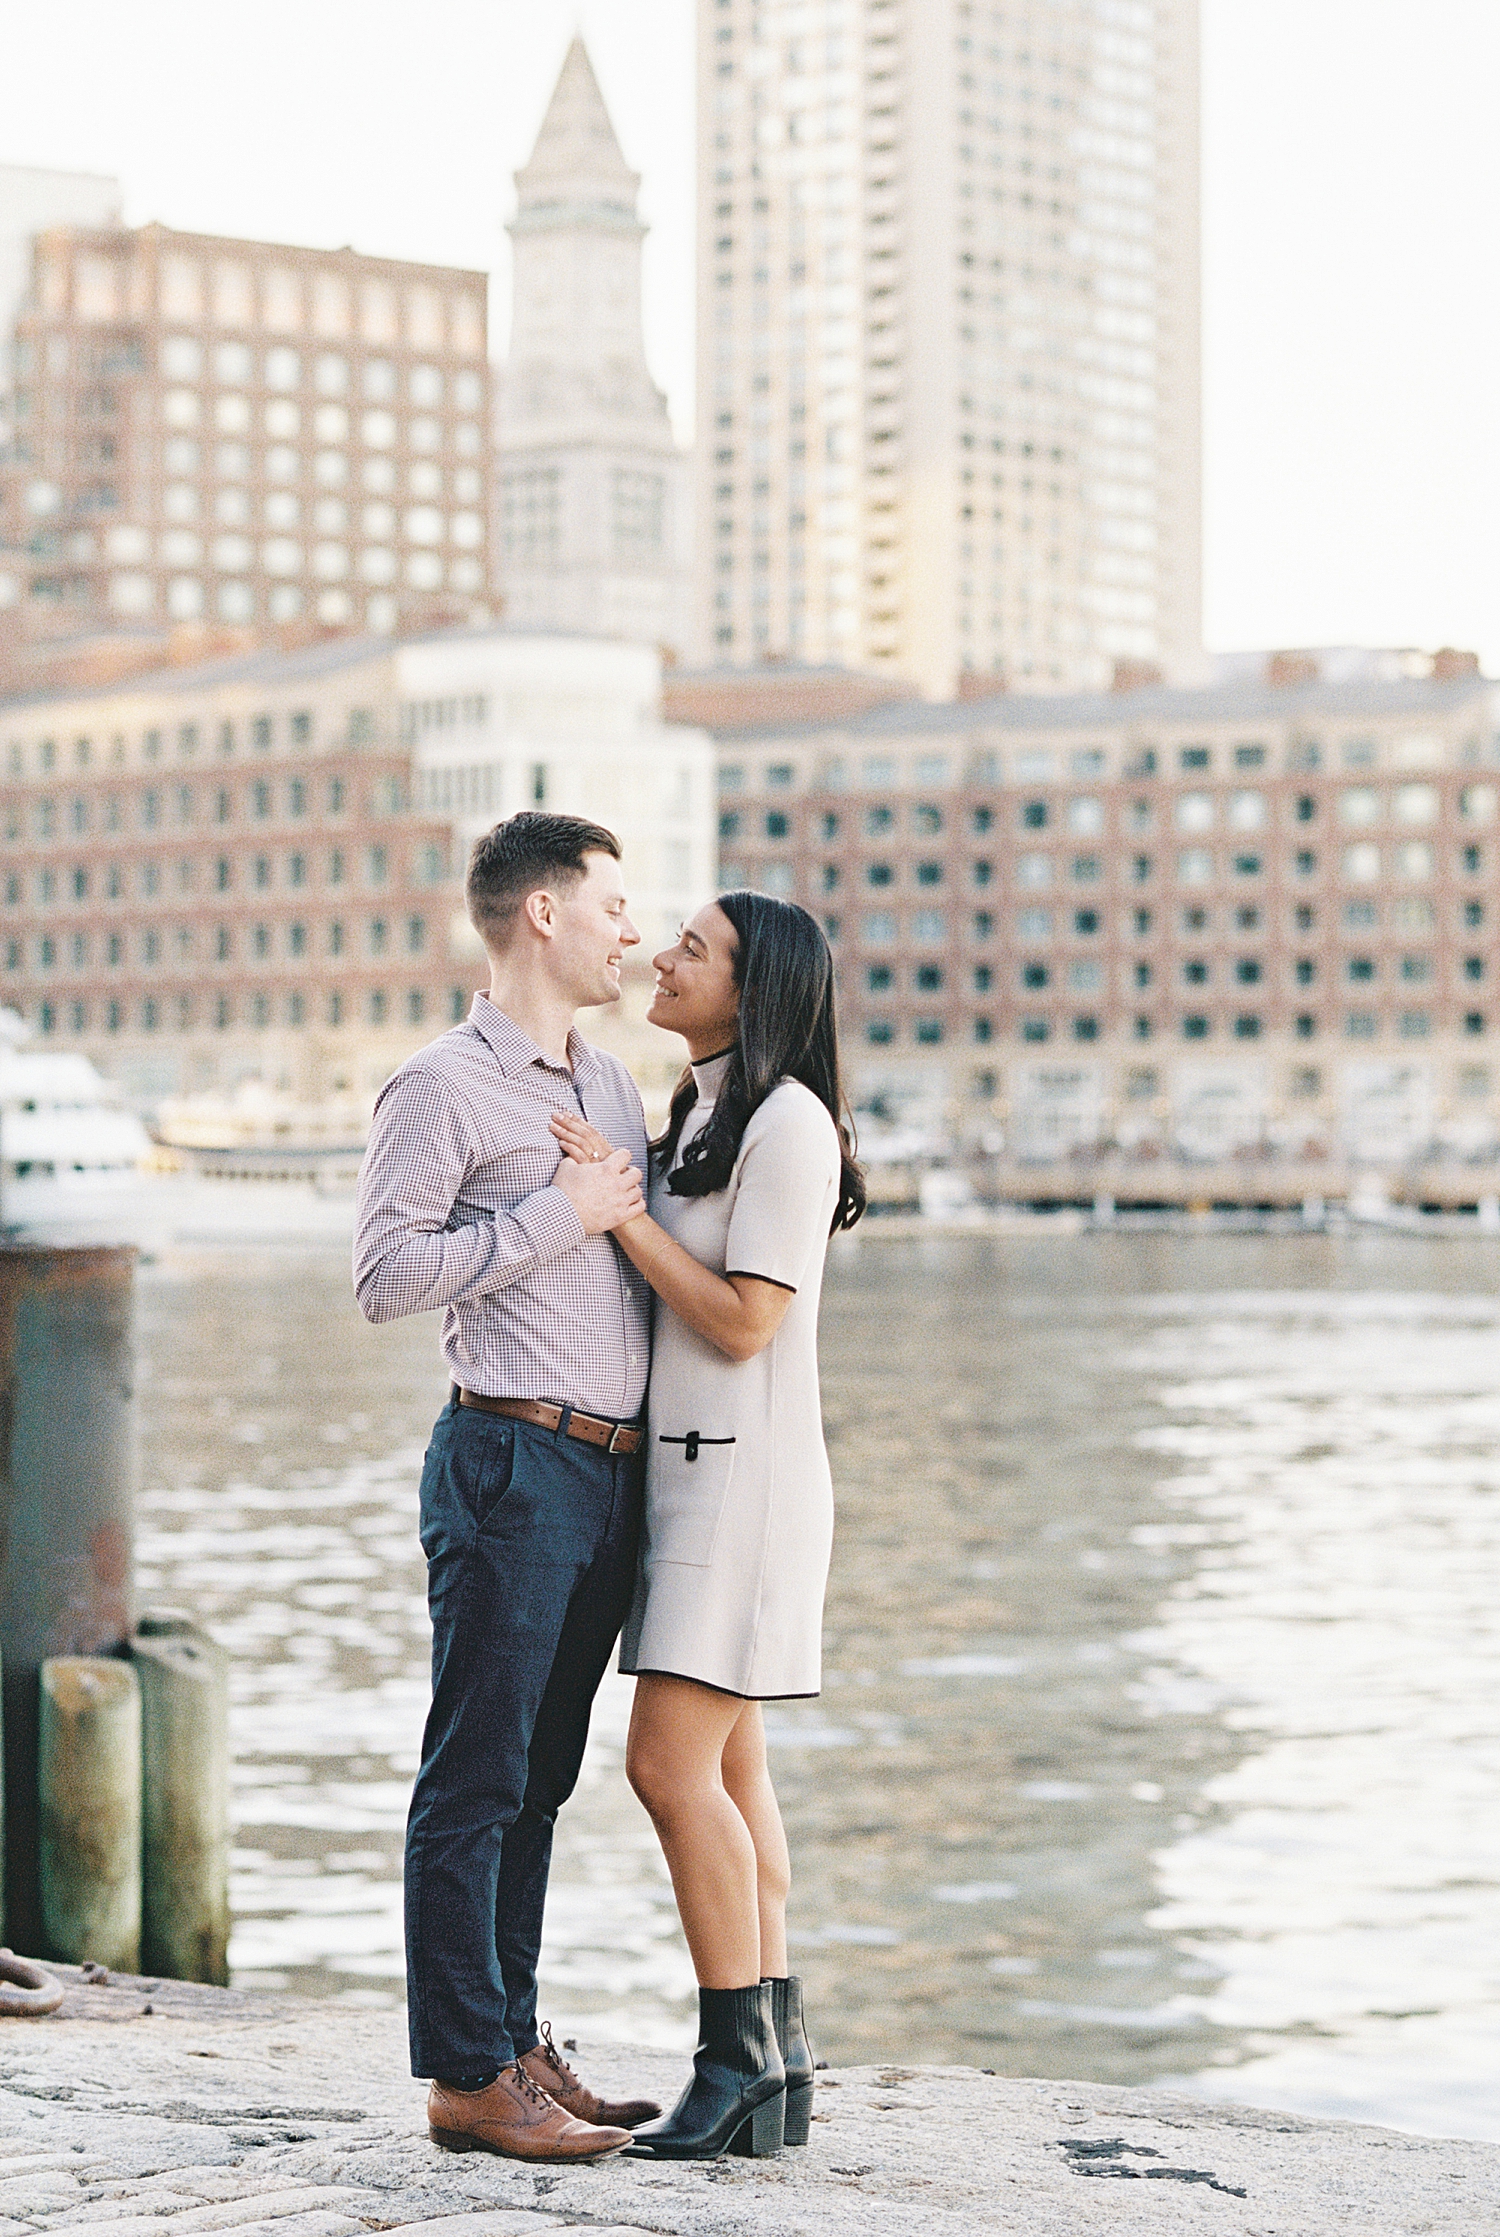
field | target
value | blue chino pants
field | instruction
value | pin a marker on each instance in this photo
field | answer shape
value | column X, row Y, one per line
column 530, row 1538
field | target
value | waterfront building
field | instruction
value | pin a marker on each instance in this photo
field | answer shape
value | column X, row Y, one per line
column 594, row 493
column 1255, row 915
column 252, row 868
column 242, row 434
column 948, row 375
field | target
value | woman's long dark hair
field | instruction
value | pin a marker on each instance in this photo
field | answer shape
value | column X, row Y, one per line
column 787, row 1031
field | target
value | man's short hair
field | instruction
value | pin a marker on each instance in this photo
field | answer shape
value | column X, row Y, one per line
column 524, row 852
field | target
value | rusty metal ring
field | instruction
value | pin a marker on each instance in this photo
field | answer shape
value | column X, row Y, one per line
column 30, row 1992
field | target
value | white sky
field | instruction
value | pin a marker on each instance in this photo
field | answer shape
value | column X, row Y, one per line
column 1352, row 181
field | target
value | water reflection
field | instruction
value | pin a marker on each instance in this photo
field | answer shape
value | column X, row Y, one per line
column 1155, row 1739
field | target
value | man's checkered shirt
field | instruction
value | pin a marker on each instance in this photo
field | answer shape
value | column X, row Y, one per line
column 456, row 1209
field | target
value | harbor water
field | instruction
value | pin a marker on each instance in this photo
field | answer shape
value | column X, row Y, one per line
column 1157, row 1741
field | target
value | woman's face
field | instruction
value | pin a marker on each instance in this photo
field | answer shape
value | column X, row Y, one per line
column 695, row 991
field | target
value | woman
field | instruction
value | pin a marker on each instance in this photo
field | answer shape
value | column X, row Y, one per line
column 752, row 1175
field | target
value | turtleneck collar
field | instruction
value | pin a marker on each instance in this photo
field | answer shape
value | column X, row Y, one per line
column 710, row 1076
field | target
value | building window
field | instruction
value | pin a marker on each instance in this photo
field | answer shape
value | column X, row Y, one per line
column 880, row 1032
column 1360, row 1025
column 1085, row 1029
column 1306, row 1026
column 377, row 1007
column 414, row 1005
column 1034, row 1029
column 929, row 873
column 1473, row 1021
column 1034, row 974
column 1360, row 968
column 778, row 824
column 880, row 873
column 984, row 1029
column 929, row 1031
column 1247, row 1028
column 1195, row 1028
column 1415, row 1025
column 1085, row 921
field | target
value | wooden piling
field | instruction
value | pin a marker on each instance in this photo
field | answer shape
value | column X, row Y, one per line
column 184, row 1683
column 89, row 1807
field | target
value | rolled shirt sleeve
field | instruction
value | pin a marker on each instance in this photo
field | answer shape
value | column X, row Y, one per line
column 788, row 1185
column 415, row 1247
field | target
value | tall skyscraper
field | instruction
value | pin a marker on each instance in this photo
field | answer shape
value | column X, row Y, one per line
column 948, row 385
column 594, row 493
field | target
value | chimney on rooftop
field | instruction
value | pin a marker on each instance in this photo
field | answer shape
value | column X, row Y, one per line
column 1135, row 675
column 1284, row 669
column 1449, row 663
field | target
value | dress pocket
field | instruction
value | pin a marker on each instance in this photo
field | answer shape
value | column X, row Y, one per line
column 686, row 1496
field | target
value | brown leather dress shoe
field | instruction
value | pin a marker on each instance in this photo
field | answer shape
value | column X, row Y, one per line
column 516, row 2119
column 551, row 2072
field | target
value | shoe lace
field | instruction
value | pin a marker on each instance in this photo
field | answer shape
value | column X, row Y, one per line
column 554, row 2056
column 526, row 2087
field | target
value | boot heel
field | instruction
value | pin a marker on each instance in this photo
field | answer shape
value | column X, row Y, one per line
column 799, row 2104
column 760, row 2137
column 453, row 2140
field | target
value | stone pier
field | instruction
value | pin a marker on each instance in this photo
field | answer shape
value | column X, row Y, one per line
column 147, row 2109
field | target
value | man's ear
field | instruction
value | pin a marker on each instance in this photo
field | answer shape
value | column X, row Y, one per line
column 540, row 912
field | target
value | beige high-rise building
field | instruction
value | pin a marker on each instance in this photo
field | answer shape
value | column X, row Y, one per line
column 948, row 387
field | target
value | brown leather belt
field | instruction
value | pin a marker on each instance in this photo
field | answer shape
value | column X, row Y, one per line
column 589, row 1429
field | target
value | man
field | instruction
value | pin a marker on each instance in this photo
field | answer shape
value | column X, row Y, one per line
column 531, row 1488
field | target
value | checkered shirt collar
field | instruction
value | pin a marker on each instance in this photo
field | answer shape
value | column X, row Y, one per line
column 513, row 1050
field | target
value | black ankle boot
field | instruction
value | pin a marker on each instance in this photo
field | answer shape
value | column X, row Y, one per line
column 796, row 2054
column 737, row 2096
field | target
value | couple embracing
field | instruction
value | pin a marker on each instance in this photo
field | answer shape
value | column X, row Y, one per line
column 509, row 1180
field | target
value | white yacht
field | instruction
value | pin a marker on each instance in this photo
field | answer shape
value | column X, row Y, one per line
column 58, row 1116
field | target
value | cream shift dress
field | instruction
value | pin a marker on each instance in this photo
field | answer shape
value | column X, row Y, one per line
column 739, row 1501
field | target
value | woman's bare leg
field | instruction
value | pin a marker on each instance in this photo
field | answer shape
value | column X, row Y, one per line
column 747, row 1781
column 674, row 1760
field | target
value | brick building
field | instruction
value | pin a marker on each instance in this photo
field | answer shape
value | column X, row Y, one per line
column 231, row 432
column 252, row 868
column 1261, row 913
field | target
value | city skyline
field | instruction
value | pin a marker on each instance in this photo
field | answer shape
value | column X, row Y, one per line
column 1350, row 470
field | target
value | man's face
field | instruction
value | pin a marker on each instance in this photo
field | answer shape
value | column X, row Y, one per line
column 591, row 932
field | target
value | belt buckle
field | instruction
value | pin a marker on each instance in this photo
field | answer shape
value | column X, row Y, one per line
column 621, row 1429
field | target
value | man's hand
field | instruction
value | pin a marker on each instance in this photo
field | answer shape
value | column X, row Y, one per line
column 604, row 1192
